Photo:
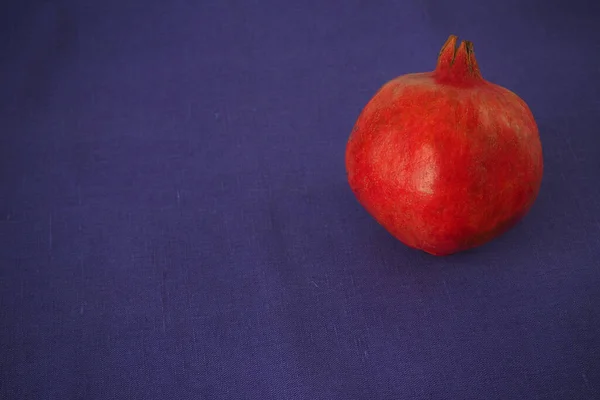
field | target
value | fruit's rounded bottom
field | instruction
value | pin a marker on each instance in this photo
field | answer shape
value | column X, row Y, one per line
column 461, row 245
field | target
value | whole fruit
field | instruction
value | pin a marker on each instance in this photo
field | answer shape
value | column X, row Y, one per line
column 445, row 160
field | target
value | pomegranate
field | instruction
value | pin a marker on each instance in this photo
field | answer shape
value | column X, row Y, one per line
column 444, row 160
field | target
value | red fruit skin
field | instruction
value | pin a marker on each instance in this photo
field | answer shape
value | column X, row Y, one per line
column 444, row 160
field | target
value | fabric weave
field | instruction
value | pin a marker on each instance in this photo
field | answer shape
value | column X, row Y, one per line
column 175, row 220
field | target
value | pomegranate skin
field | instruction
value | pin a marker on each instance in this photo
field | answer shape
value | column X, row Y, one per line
column 445, row 160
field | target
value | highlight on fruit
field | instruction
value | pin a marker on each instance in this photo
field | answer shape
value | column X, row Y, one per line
column 445, row 160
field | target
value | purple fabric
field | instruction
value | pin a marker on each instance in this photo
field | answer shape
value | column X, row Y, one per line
column 175, row 221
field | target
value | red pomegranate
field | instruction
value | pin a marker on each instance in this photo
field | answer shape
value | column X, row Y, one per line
column 445, row 160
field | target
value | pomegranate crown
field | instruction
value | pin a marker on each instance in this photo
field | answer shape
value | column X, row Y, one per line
column 457, row 65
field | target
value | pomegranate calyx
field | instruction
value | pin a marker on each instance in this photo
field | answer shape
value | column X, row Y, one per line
column 457, row 65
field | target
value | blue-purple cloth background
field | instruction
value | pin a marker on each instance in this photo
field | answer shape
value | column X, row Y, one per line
column 175, row 221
